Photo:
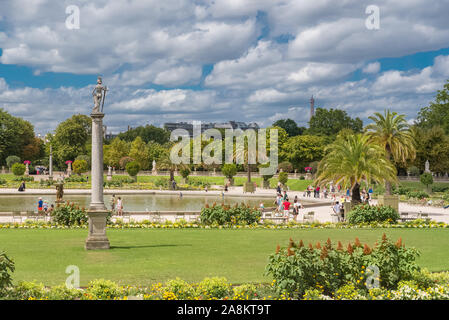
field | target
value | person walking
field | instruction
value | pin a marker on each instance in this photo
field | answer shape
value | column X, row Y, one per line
column 287, row 210
column 337, row 211
column 119, row 206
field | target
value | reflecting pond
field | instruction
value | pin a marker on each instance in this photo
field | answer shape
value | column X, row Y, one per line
column 136, row 202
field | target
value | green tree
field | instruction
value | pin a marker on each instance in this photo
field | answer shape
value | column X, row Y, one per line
column 116, row 151
column 139, row 152
column 329, row 122
column 11, row 160
column 437, row 113
column 283, row 178
column 155, row 151
column 353, row 159
column 289, row 126
column 15, row 135
column 433, row 145
column 392, row 132
column 71, row 139
column 426, row 179
column 302, row 150
column 229, row 170
column 80, row 166
column 85, row 158
column 146, row 133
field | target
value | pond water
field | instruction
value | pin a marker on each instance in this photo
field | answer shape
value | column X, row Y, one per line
column 140, row 202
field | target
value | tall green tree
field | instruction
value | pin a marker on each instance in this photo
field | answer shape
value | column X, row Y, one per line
column 352, row 159
column 16, row 137
column 289, row 126
column 433, row 145
column 116, row 150
column 392, row 132
column 329, row 122
column 146, row 133
column 437, row 113
column 71, row 139
column 302, row 150
column 139, row 152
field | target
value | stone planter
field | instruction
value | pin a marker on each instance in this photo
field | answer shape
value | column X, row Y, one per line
column 249, row 187
column 389, row 200
column 266, row 184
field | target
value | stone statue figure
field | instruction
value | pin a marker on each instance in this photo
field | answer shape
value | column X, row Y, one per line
column 99, row 94
column 427, row 166
column 59, row 192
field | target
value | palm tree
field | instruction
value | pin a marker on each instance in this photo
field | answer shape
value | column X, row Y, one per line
column 352, row 159
column 392, row 132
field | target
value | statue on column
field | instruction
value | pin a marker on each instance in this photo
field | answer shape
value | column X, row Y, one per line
column 99, row 94
column 427, row 166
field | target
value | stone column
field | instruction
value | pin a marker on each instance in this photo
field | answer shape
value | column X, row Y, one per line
column 3, row 170
column 50, row 165
column 27, row 170
column 97, row 212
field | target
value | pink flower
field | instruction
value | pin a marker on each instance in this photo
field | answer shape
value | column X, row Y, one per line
column 68, row 161
column 27, row 162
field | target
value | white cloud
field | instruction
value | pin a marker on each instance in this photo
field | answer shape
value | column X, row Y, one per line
column 372, row 68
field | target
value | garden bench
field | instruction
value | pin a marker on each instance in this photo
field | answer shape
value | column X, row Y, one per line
column 410, row 216
column 156, row 217
column 31, row 215
column 179, row 216
column 16, row 215
column 309, row 217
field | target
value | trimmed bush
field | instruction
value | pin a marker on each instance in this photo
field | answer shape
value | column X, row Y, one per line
column 417, row 194
column 229, row 170
column 222, row 214
column 133, row 168
column 18, row 169
column 283, row 177
column 215, row 287
column 365, row 214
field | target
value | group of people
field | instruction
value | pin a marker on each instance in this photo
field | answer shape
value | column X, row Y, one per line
column 117, row 205
column 43, row 207
column 283, row 206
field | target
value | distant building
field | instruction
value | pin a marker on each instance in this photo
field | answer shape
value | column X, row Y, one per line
column 171, row 126
column 312, row 107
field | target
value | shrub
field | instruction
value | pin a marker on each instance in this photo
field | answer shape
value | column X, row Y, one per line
column 365, row 214
column 11, row 160
column 426, row 179
column 25, row 290
column 181, row 289
column 298, row 268
column 85, row 158
column 185, row 172
column 61, row 292
column 20, row 179
column 102, row 290
column 133, row 168
column 222, row 214
column 6, row 268
column 215, row 287
column 69, row 215
column 245, row 292
column 162, row 182
column 229, row 170
column 417, row 194
column 401, row 190
column 80, row 166
column 439, row 187
column 76, row 178
column 283, row 177
column 3, row 181
column 18, row 169
column 302, row 178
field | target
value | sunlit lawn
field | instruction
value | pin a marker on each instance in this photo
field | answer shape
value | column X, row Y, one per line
column 140, row 257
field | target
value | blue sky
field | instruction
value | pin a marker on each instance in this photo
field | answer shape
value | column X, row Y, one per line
column 245, row 60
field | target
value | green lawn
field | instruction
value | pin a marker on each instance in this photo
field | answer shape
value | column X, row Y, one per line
column 140, row 257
